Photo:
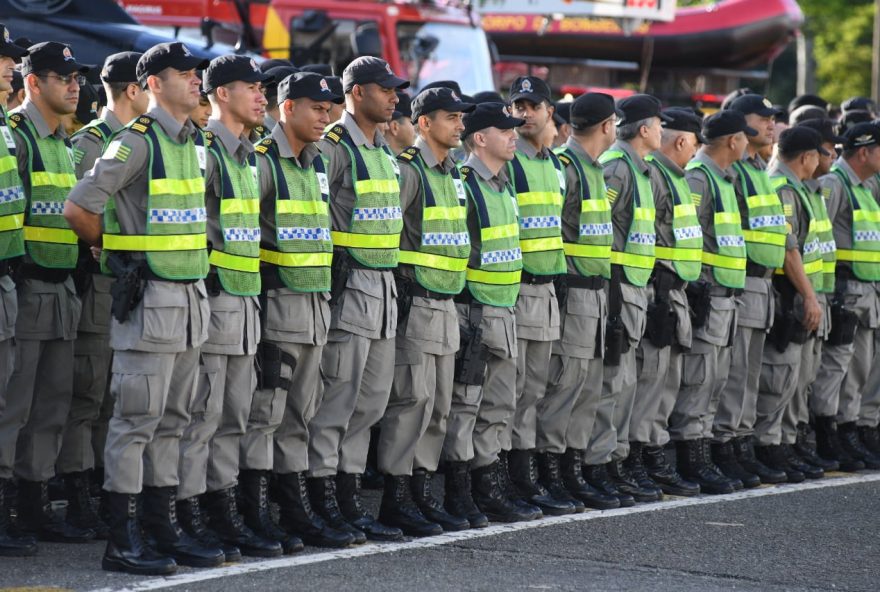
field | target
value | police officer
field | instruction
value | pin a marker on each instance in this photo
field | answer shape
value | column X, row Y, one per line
column 802, row 277
column 401, row 133
column 358, row 360
column 209, row 447
column 435, row 246
column 679, row 250
column 11, row 246
column 767, row 240
column 32, row 421
column 483, row 399
column 295, row 254
column 855, row 313
column 149, row 183
column 538, row 180
column 86, row 423
column 712, row 299
column 628, row 182
column 568, row 410
column 278, row 73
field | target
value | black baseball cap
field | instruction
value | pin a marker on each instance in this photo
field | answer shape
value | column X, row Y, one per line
column 87, row 105
column 725, row 123
column 121, row 67
column 807, row 99
column 307, row 85
column 267, row 65
column 805, row 112
column 857, row 104
column 403, row 108
column 638, row 107
column 8, row 47
column 323, row 69
column 562, row 112
column 757, row 104
column 51, row 56
column 862, row 134
column 591, row 108
column 826, row 127
column 168, row 55
column 278, row 73
column 335, row 83
column 487, row 96
column 439, row 98
column 530, row 88
column 731, row 97
column 798, row 139
column 685, row 120
column 489, row 115
column 444, row 84
column 232, row 68
column 367, row 69
column 850, row 118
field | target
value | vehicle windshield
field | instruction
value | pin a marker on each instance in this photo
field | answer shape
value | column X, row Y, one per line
column 443, row 51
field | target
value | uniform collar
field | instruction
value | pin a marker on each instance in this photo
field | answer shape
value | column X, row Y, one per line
column 667, row 162
column 637, row 160
column 269, row 122
column 172, row 128
column 474, row 162
column 576, row 147
column 308, row 154
column 756, row 161
column 526, row 147
column 36, row 118
column 430, row 160
column 113, row 121
column 844, row 166
column 239, row 147
column 704, row 158
column 780, row 168
column 357, row 134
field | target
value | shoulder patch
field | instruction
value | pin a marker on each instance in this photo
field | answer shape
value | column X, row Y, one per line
column 564, row 159
column 409, row 153
column 14, row 120
column 141, row 124
column 611, row 194
column 697, row 198
column 78, row 155
column 788, row 210
column 95, row 132
column 335, row 134
column 264, row 145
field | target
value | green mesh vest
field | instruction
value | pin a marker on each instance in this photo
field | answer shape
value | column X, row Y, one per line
column 12, row 200
column 48, row 238
column 237, row 259
column 373, row 234
column 764, row 222
column 686, row 254
column 864, row 257
column 637, row 257
column 175, row 243
column 539, row 184
column 591, row 254
column 811, row 253
column 727, row 256
column 441, row 259
column 496, row 280
column 302, row 222
column 827, row 246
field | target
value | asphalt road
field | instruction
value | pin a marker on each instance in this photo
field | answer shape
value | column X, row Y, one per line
column 819, row 536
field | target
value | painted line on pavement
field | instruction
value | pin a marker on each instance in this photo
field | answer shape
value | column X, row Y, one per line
column 493, row 530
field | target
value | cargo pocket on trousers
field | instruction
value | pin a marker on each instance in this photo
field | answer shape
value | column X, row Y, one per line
column 775, row 377
column 165, row 318
column 208, row 399
column 557, row 369
column 9, row 302
column 693, row 369
column 267, row 406
column 136, row 385
column 647, row 361
column 83, row 373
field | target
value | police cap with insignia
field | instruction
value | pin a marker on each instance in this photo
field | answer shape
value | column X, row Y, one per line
column 725, row 123
column 684, row 120
column 8, row 48
column 369, row 69
column 50, row 56
column 640, row 107
column 121, row 67
column 307, row 85
column 757, row 104
column 798, row 139
column 529, row 88
column 403, row 108
column 168, row 55
column 591, row 108
column 489, row 115
column 439, row 99
column 233, row 68
column 861, row 135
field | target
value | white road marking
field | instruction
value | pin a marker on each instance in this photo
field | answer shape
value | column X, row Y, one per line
column 454, row 537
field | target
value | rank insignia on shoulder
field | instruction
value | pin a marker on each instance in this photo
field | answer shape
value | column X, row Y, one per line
column 335, row 134
column 564, row 159
column 787, row 210
column 14, row 120
column 95, row 132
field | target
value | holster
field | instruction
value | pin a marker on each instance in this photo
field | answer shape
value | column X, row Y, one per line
column 616, row 340
column 787, row 328
column 128, row 288
column 472, row 357
column 844, row 323
column 699, row 297
column 561, row 286
column 404, row 298
column 340, row 270
column 268, row 360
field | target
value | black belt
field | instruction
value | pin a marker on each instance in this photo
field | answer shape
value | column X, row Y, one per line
column 270, row 279
column 528, row 278
column 417, row 290
column 593, row 282
column 30, row 271
column 845, row 273
column 464, row 297
column 755, row 270
column 672, row 279
column 352, row 262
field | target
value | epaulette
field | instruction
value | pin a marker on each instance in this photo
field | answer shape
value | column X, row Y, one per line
column 408, row 154
column 95, row 132
column 209, row 138
column 260, row 129
column 465, row 171
column 264, row 145
column 564, row 159
column 335, row 134
column 14, row 120
column 141, row 124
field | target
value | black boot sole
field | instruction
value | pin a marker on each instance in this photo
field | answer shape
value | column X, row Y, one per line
column 190, row 561
column 481, row 522
column 255, row 552
column 326, row 543
column 673, row 490
column 118, row 565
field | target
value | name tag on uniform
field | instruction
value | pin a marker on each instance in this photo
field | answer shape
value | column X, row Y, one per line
column 561, row 176
column 323, row 183
column 7, row 137
column 459, row 190
column 201, row 155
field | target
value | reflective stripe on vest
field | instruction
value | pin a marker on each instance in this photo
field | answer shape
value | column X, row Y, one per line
column 637, row 257
column 538, row 185
column 686, row 254
column 811, row 253
column 12, row 198
column 591, row 254
column 764, row 221
column 865, row 253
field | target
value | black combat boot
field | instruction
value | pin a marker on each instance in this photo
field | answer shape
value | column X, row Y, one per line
column 828, row 445
column 573, row 479
column 744, row 448
column 524, row 475
column 430, row 506
column 322, row 494
column 398, row 509
column 228, row 524
column 870, row 438
column 81, row 511
column 126, row 549
column 799, row 464
column 254, row 487
column 160, row 523
column 550, row 477
column 848, row 434
column 805, row 450
column 659, row 469
column 773, row 457
column 491, row 498
column 11, row 545
column 512, row 491
column 458, row 499
column 723, row 455
column 298, row 517
column 635, row 466
column 36, row 518
column 597, row 477
column 190, row 518
column 625, row 482
column 348, row 492
column 692, row 464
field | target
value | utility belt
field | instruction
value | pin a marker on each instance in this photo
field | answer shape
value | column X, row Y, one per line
column 568, row 281
column 758, row 271
column 417, row 290
column 32, row 271
column 270, row 279
column 532, row 279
